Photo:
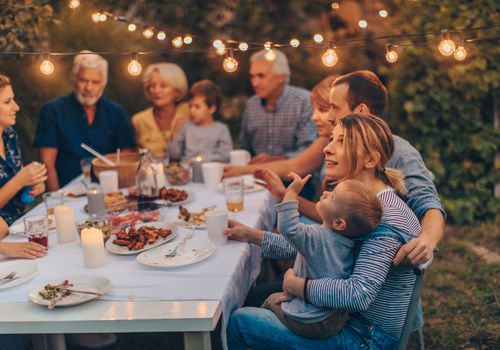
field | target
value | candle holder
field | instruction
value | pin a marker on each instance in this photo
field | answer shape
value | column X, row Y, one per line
column 95, row 199
column 196, row 163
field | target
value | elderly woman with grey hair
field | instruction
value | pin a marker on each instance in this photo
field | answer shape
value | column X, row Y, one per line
column 165, row 86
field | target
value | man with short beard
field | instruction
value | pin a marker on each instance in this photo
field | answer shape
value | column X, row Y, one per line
column 82, row 116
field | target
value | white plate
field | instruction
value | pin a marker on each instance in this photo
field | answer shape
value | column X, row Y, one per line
column 75, row 191
column 195, row 250
column 18, row 227
column 194, row 227
column 26, row 269
column 255, row 188
column 189, row 198
column 89, row 283
column 121, row 250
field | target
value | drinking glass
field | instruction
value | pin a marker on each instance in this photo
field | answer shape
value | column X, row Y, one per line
column 86, row 165
column 234, row 190
column 52, row 200
column 36, row 227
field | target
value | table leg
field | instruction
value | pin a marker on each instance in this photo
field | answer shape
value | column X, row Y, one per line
column 40, row 341
column 58, row 342
column 197, row 340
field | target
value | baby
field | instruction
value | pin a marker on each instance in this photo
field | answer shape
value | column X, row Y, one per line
column 350, row 211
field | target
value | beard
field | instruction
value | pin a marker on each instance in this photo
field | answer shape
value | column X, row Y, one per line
column 88, row 100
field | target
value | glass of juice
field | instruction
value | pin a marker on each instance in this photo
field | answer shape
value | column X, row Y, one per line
column 234, row 190
column 36, row 227
column 52, row 200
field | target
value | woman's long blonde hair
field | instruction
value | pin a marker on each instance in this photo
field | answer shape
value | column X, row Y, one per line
column 370, row 135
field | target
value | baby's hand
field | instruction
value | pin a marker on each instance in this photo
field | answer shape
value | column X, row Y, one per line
column 297, row 184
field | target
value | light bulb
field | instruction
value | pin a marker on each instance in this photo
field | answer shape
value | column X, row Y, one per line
column 161, row 35
column 221, row 50
column 73, row 4
column 330, row 58
column 270, row 55
column 217, row 44
column 148, row 33
column 318, row 38
column 460, row 53
column 134, row 67
column 267, row 45
column 446, row 47
column 188, row 39
column 243, row 46
column 229, row 64
column 103, row 17
column 363, row 24
column 383, row 13
column 47, row 67
column 132, row 27
column 335, row 5
column 177, row 42
column 96, row 17
column 391, row 56
column 294, row 42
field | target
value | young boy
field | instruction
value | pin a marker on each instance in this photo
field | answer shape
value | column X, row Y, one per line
column 350, row 211
column 202, row 136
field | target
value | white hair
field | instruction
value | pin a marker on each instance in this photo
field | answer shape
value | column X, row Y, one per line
column 280, row 64
column 173, row 75
column 88, row 59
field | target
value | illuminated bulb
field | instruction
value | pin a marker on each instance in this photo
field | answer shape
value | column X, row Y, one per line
column 103, row 17
column 318, row 38
column 161, row 35
column 391, row 56
column 383, row 13
column 335, row 5
column 446, row 47
column 177, row 42
column 73, row 4
column 230, row 65
column 218, row 44
column 270, row 55
column 221, row 50
column 132, row 27
column 148, row 33
column 47, row 67
column 188, row 39
column 96, row 17
column 330, row 58
column 362, row 24
column 460, row 53
column 243, row 46
column 294, row 42
column 134, row 68
column 268, row 45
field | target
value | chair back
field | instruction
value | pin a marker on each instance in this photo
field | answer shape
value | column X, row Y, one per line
column 419, row 271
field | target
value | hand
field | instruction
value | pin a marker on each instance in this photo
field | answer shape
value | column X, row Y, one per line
column 293, row 285
column 264, row 158
column 417, row 251
column 297, row 184
column 278, row 298
column 233, row 170
column 26, row 250
column 31, row 174
column 37, row 189
column 272, row 181
column 239, row 232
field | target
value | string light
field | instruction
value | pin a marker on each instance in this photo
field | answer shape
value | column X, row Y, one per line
column 391, row 56
column 229, row 64
column 335, row 5
column 132, row 27
column 177, row 42
column 73, row 4
column 96, row 17
column 148, row 33
column 383, row 13
column 446, row 46
column 268, row 45
column 46, row 67
column 294, row 42
column 460, row 53
column 161, row 35
column 103, row 17
column 318, row 38
column 363, row 24
column 330, row 57
column 243, row 46
column 188, row 39
column 134, row 67
column 221, row 51
column 218, row 44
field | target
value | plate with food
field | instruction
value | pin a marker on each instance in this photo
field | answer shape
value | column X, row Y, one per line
column 112, row 200
column 13, row 273
column 193, row 251
column 176, row 196
column 137, row 238
column 72, row 290
column 192, row 219
column 76, row 190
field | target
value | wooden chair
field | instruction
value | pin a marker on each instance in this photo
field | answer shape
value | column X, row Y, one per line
column 419, row 271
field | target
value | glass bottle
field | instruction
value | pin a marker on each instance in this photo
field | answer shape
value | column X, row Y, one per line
column 147, row 187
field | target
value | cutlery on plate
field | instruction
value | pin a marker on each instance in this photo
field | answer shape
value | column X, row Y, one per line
column 9, row 278
column 173, row 252
column 84, row 292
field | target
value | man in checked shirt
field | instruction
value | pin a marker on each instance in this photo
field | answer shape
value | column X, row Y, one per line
column 277, row 119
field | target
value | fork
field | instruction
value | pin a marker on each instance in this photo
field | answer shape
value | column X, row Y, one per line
column 172, row 253
column 9, row 278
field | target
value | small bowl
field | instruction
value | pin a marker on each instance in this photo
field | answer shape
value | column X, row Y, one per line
column 178, row 173
column 127, row 168
column 102, row 221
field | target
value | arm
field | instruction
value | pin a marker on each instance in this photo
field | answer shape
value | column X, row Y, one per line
column 28, row 250
column 48, row 157
column 224, row 144
column 30, row 175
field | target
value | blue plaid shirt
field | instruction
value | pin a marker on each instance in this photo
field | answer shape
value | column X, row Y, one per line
column 287, row 130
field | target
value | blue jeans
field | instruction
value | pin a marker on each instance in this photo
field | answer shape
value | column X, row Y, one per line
column 259, row 328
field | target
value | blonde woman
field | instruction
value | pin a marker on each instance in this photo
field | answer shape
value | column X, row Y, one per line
column 165, row 86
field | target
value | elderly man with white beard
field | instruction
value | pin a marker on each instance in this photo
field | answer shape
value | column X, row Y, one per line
column 82, row 116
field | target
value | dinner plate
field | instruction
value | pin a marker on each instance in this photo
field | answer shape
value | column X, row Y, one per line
column 189, row 198
column 75, row 191
column 195, row 250
column 88, row 283
column 194, row 227
column 25, row 269
column 248, row 189
column 18, row 227
column 122, row 250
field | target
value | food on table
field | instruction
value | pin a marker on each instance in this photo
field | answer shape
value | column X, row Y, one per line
column 102, row 224
column 173, row 195
column 192, row 218
column 136, row 239
column 56, row 293
column 131, row 218
column 114, row 199
column 177, row 173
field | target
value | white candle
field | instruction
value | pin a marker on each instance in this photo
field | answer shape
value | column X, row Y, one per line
column 93, row 247
column 65, row 224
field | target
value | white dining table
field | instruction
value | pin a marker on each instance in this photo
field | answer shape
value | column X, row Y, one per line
column 189, row 299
